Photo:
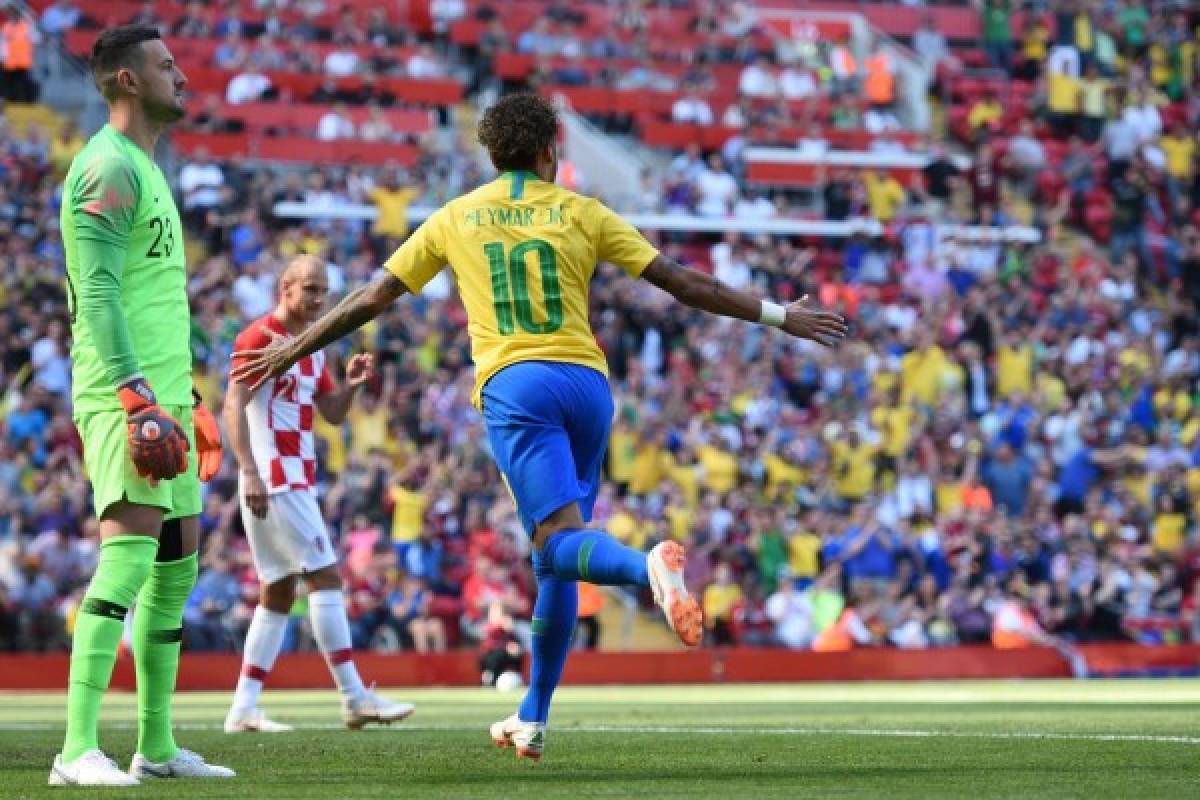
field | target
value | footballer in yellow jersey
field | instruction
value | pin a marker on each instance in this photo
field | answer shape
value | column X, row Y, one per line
column 523, row 252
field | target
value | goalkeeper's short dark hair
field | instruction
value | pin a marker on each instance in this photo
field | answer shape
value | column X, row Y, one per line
column 117, row 48
column 516, row 129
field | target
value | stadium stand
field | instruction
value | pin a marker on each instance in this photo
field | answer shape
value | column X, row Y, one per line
column 1014, row 420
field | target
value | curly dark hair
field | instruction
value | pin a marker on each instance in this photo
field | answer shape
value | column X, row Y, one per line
column 516, row 129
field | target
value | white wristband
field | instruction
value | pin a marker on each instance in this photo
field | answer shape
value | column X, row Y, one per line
column 772, row 314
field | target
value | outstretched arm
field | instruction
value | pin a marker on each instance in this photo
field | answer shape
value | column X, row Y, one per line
column 703, row 291
column 252, row 367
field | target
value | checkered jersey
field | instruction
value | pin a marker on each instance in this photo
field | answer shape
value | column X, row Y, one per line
column 280, row 414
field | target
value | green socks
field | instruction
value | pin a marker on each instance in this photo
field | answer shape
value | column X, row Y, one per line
column 124, row 564
column 157, row 637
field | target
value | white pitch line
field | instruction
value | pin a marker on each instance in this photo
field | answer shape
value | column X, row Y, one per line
column 702, row 731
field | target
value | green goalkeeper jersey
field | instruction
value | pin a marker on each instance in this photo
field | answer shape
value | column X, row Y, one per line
column 126, row 276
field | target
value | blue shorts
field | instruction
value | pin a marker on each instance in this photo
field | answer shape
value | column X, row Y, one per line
column 548, row 424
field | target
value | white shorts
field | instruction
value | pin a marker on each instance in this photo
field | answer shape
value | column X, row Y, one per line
column 291, row 539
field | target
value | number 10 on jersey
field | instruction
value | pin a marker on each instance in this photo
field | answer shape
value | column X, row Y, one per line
column 510, row 286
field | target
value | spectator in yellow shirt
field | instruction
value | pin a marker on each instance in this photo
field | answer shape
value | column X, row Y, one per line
column 1035, row 38
column 650, row 462
column 622, row 449
column 684, row 471
column 678, row 513
column 1014, row 366
column 368, row 426
column 1179, row 149
column 922, row 370
column 335, row 444
column 1062, row 102
column 409, row 503
column 783, row 470
column 391, row 205
column 1093, row 103
column 1170, row 527
column 628, row 526
column 885, row 195
column 853, row 467
column 720, row 468
column 986, row 113
column 804, row 548
column 894, row 420
column 721, row 598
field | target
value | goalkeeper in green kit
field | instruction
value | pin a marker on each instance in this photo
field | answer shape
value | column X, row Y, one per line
column 148, row 442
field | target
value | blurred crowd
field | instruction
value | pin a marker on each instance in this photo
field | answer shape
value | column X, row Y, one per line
column 1006, row 450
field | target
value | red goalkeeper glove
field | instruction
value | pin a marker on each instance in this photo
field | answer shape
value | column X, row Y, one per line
column 157, row 445
column 208, row 439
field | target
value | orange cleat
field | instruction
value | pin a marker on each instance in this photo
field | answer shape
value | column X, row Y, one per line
column 666, row 563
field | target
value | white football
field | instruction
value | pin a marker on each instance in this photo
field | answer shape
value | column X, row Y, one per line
column 509, row 682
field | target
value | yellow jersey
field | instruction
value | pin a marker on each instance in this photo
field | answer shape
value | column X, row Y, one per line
column 392, row 205
column 1169, row 533
column 630, row 530
column 1180, row 153
column 894, row 424
column 853, row 469
column 1062, row 93
column 523, row 252
column 804, row 554
column 684, row 476
column 719, row 601
column 921, row 375
column 884, row 196
column 780, row 473
column 622, row 453
column 680, row 520
column 408, row 516
column 984, row 112
column 720, row 469
column 1014, row 370
column 650, row 463
column 368, row 429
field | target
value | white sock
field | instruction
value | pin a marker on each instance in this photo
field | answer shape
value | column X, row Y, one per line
column 263, row 641
column 331, row 627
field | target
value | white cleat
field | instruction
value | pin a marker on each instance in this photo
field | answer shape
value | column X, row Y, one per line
column 93, row 768
column 529, row 738
column 373, row 708
column 185, row 764
column 253, row 721
column 665, row 563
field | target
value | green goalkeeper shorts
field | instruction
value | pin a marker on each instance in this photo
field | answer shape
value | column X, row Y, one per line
column 114, row 477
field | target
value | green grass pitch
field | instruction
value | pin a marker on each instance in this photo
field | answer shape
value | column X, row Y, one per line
column 1095, row 739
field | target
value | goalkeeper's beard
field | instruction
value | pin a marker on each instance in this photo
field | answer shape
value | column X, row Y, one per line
column 163, row 112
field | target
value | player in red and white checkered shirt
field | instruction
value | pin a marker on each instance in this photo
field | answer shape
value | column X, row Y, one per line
column 271, row 433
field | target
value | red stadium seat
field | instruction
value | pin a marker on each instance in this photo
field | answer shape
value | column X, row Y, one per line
column 219, row 145
column 304, row 117
column 585, row 99
column 1098, row 214
column 513, row 66
column 671, row 134
column 466, row 31
column 432, row 92
column 632, row 101
column 295, row 148
column 303, row 149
